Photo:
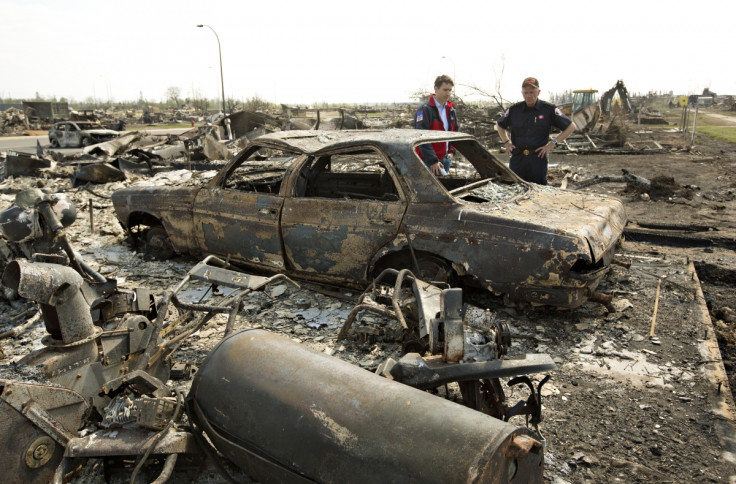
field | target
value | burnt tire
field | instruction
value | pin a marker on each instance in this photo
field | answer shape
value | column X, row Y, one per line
column 87, row 142
column 54, row 143
column 434, row 269
column 157, row 244
column 431, row 268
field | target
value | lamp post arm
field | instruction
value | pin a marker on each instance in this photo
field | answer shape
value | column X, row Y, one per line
column 222, row 78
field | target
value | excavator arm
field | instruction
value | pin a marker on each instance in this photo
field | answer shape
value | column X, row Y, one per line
column 623, row 94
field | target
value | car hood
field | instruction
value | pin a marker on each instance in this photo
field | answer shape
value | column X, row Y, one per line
column 599, row 220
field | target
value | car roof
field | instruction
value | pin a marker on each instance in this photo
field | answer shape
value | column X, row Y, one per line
column 310, row 141
column 78, row 123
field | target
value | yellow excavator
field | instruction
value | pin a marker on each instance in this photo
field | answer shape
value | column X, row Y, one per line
column 584, row 111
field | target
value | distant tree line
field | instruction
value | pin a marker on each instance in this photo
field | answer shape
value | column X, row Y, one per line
column 172, row 98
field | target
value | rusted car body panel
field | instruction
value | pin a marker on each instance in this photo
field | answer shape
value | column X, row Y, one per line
column 235, row 223
column 318, row 233
column 338, row 207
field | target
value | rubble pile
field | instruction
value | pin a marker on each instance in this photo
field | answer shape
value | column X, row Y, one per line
column 205, row 147
column 609, row 368
column 13, row 122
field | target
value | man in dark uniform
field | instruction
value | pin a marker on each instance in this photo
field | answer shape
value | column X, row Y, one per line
column 524, row 130
column 438, row 114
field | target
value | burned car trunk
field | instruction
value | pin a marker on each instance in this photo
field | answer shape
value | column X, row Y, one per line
column 339, row 207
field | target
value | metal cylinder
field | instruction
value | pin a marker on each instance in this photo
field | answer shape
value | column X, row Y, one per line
column 58, row 288
column 284, row 413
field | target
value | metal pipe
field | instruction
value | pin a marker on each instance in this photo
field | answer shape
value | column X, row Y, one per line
column 282, row 411
column 695, row 124
column 168, row 469
column 56, row 287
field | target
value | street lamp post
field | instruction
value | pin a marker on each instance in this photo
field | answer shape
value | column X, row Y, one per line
column 222, row 79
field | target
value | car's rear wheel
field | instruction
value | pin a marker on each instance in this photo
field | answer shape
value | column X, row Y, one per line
column 54, row 143
column 428, row 267
column 158, row 246
column 434, row 269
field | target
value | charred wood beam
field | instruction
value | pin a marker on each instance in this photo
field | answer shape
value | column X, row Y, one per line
column 682, row 227
column 625, row 178
column 677, row 239
column 598, row 179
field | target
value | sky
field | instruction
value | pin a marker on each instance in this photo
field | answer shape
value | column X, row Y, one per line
column 377, row 51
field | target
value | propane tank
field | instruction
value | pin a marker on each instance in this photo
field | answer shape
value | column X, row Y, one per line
column 285, row 413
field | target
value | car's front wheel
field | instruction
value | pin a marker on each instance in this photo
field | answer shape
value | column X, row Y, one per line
column 54, row 142
column 87, row 141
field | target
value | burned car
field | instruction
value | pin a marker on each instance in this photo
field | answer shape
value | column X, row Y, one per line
column 77, row 134
column 340, row 207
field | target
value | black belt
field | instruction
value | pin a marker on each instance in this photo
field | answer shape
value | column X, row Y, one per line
column 524, row 150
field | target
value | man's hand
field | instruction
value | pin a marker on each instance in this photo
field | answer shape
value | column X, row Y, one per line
column 544, row 150
column 508, row 146
column 437, row 168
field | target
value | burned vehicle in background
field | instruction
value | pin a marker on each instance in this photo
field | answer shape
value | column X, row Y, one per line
column 77, row 134
column 340, row 207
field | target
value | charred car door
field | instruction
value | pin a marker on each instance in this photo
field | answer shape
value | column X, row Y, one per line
column 72, row 136
column 347, row 206
column 239, row 217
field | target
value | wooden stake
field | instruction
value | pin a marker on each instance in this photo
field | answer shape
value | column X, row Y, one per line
column 654, row 315
column 12, row 333
column 91, row 217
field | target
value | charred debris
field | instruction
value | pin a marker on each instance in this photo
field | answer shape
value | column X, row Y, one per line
column 106, row 381
column 219, row 138
column 101, row 383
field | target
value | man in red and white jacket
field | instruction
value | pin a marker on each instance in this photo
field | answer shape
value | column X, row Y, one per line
column 438, row 114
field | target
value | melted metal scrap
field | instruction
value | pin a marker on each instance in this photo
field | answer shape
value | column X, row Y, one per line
column 433, row 320
column 24, row 164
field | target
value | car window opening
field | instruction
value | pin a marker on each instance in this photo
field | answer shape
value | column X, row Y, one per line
column 478, row 177
column 262, row 172
column 352, row 175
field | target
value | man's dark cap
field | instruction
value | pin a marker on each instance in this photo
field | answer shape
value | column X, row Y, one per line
column 530, row 81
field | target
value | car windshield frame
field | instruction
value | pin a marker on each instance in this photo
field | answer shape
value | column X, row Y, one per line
column 476, row 175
